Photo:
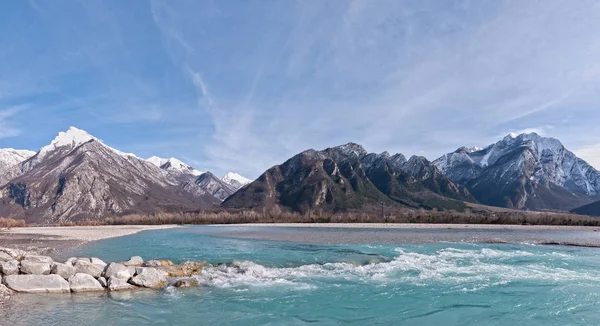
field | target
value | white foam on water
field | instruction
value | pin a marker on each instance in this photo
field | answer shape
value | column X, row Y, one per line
column 466, row 270
column 173, row 293
column 248, row 274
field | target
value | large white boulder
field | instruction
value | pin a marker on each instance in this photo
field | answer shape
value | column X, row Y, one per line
column 85, row 267
column 97, row 261
column 117, row 270
column 149, row 278
column 135, row 261
column 64, row 270
column 5, row 257
column 37, row 283
column 38, row 259
column 82, row 260
column 10, row 267
column 35, row 268
column 84, row 283
column 131, row 270
column 117, row 284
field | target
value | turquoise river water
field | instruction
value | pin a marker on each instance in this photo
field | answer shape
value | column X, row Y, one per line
column 293, row 276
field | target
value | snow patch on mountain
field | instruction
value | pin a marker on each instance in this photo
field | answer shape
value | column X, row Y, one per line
column 232, row 176
column 157, row 161
column 72, row 137
column 485, row 160
column 350, row 149
column 10, row 157
column 235, row 180
column 173, row 164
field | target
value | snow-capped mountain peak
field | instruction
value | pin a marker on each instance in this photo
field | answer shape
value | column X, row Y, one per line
column 173, row 164
column 528, row 170
column 232, row 176
column 158, row 161
column 350, row 149
column 206, row 181
column 178, row 165
column 72, row 137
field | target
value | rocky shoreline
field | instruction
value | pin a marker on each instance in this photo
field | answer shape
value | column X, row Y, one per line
column 23, row 272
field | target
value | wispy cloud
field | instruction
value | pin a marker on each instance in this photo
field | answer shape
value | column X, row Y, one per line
column 242, row 86
column 540, row 130
column 544, row 106
column 394, row 75
column 197, row 80
column 7, row 127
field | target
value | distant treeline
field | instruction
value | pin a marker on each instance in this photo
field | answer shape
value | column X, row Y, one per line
column 276, row 215
column 406, row 216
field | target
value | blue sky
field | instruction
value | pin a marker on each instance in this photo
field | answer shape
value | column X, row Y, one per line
column 243, row 85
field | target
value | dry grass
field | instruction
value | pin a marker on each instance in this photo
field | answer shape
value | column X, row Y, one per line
column 8, row 223
column 398, row 216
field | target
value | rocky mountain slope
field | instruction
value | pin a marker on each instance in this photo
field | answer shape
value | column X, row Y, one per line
column 77, row 176
column 215, row 186
column 347, row 178
column 524, row 171
column 10, row 157
column 592, row 209
column 208, row 182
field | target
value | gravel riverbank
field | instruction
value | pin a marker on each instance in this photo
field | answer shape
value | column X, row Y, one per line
column 51, row 240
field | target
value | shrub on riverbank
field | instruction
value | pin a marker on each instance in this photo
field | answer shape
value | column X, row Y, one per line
column 7, row 223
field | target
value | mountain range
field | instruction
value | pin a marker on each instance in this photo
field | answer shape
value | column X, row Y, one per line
column 77, row 177
column 187, row 175
column 347, row 177
column 526, row 172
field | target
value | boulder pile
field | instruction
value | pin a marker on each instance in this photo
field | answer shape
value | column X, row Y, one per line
column 24, row 273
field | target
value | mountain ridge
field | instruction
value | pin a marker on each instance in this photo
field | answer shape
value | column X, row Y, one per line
column 347, row 177
column 525, row 171
column 220, row 188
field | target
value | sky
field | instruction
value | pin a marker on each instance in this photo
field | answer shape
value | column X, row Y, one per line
column 243, row 85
